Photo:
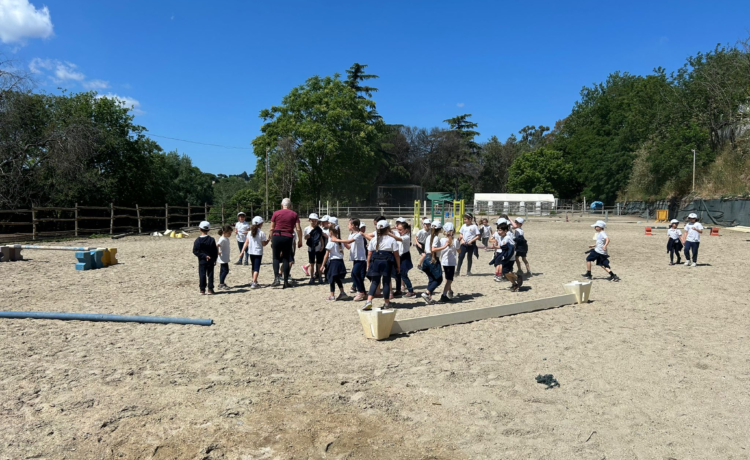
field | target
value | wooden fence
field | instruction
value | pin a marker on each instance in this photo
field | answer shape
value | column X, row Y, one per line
column 49, row 222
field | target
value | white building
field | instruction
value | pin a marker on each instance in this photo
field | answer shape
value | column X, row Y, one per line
column 540, row 204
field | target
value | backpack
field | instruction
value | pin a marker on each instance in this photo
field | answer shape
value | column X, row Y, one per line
column 315, row 235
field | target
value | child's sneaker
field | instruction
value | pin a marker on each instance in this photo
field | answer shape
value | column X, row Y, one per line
column 687, row 263
column 427, row 298
column 210, row 292
column 514, row 288
column 587, row 275
column 444, row 298
column 397, row 294
column 368, row 306
column 498, row 278
column 410, row 295
column 359, row 297
column 331, row 298
column 693, row 264
column 614, row 277
column 449, row 294
column 304, row 269
column 203, row 292
column 255, row 286
column 353, row 289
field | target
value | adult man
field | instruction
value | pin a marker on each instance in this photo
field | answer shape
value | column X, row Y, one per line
column 283, row 224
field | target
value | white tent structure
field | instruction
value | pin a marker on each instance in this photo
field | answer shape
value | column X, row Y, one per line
column 539, row 204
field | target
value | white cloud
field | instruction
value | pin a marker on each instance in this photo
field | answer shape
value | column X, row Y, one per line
column 67, row 71
column 460, row 104
column 40, row 65
column 125, row 101
column 19, row 20
column 96, row 84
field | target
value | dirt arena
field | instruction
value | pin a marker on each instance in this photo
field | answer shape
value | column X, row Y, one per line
column 655, row 367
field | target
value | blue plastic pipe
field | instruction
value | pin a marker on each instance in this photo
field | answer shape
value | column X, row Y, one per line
column 95, row 317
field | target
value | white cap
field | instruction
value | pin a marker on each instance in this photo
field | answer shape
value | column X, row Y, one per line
column 314, row 216
column 599, row 223
column 436, row 224
column 674, row 221
column 400, row 219
column 362, row 225
column 426, row 221
column 240, row 214
column 692, row 215
column 520, row 220
column 383, row 224
column 325, row 218
column 257, row 220
column 448, row 227
column 502, row 220
column 333, row 220
column 205, row 225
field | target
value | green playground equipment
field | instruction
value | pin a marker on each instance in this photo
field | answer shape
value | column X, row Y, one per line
column 445, row 206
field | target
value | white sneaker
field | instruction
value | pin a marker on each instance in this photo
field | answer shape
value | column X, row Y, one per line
column 687, row 264
column 449, row 295
column 693, row 264
column 427, row 297
column 368, row 306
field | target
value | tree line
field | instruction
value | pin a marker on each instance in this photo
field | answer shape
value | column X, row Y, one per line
column 630, row 137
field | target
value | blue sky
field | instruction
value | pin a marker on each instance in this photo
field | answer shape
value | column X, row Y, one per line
column 202, row 71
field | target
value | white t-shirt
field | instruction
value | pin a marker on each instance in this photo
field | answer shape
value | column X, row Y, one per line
column 507, row 239
column 518, row 232
column 486, row 231
column 387, row 243
column 498, row 239
column 469, row 232
column 405, row 244
column 674, row 233
column 242, row 228
column 422, row 235
column 357, row 249
column 448, row 255
column 429, row 244
column 334, row 251
column 255, row 245
column 224, row 250
column 601, row 239
column 692, row 235
column 320, row 246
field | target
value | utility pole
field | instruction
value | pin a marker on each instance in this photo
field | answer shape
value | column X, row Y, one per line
column 266, row 216
column 693, row 170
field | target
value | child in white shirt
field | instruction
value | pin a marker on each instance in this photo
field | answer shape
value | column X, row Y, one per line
column 254, row 243
column 598, row 252
column 693, row 231
column 224, row 255
column 674, row 241
column 333, row 262
column 449, row 246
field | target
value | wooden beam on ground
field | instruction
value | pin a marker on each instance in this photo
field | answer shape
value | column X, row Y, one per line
column 468, row 316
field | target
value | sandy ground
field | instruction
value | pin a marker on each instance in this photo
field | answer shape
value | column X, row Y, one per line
column 655, row 367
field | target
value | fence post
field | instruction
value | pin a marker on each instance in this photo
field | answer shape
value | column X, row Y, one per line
column 166, row 217
column 111, row 218
column 138, row 215
column 205, row 210
column 222, row 214
column 33, row 223
column 76, row 227
column 188, row 214
column 337, row 208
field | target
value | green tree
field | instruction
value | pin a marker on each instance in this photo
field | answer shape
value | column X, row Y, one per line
column 542, row 171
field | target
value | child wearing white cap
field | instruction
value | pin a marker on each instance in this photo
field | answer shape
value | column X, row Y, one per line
column 241, row 228
column 358, row 255
column 693, row 231
column 522, row 246
column 448, row 250
column 225, row 255
column 598, row 252
column 505, row 255
column 404, row 250
column 674, row 241
column 315, row 241
column 205, row 249
column 430, row 261
column 422, row 235
column 469, row 236
column 380, row 263
column 254, row 246
column 486, row 231
column 333, row 261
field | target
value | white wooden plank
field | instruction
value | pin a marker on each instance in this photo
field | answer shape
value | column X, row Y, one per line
column 467, row 316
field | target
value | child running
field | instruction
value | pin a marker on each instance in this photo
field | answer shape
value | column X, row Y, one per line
column 383, row 254
column 314, row 239
column 256, row 239
column 598, row 252
column 674, row 242
column 206, row 251
column 448, row 249
column 224, row 254
column 430, row 261
column 522, row 247
column 693, row 231
column 504, row 259
column 404, row 247
column 333, row 261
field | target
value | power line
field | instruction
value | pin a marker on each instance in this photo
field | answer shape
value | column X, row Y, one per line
column 200, row 143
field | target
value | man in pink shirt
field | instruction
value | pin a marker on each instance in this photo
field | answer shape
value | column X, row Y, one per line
column 284, row 223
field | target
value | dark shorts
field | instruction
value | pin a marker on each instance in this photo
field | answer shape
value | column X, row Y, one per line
column 508, row 266
column 316, row 257
column 448, row 272
column 256, row 260
column 420, row 250
column 520, row 254
column 600, row 259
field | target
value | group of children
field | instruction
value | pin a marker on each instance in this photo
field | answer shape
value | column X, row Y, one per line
column 690, row 241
